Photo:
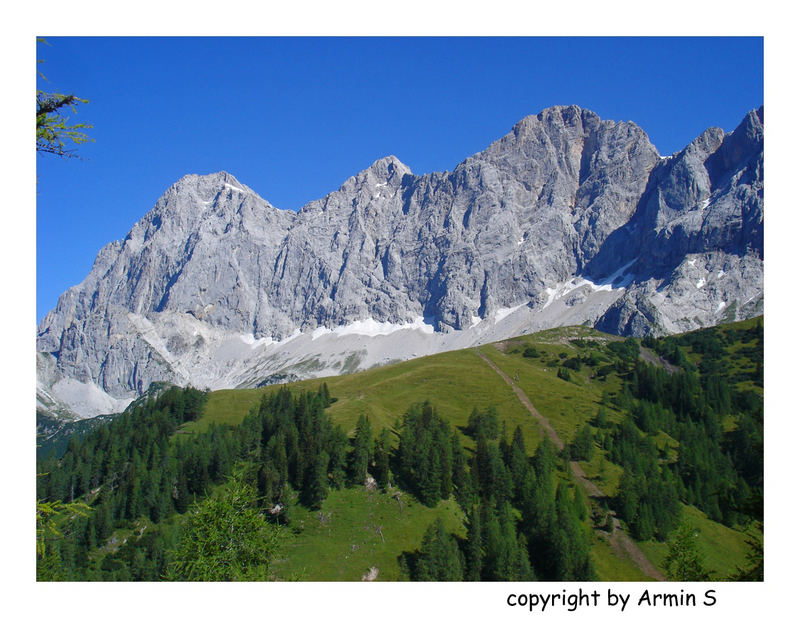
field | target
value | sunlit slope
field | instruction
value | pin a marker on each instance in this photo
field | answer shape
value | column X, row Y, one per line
column 457, row 382
column 454, row 382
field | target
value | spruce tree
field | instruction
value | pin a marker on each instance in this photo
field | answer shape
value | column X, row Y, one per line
column 520, row 566
column 382, row 446
column 440, row 559
column 361, row 455
column 517, row 464
column 579, row 504
column 492, row 545
column 474, row 556
column 684, row 561
column 315, row 485
column 337, row 462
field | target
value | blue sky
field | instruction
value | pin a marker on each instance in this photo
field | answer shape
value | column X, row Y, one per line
column 294, row 117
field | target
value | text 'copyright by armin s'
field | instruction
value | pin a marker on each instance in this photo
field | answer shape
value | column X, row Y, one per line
column 572, row 601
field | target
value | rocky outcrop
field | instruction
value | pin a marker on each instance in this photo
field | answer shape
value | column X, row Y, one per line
column 696, row 241
column 567, row 218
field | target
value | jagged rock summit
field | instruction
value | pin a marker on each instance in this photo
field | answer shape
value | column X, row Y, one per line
column 567, row 219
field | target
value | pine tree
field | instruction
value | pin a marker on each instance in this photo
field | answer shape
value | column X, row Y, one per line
column 225, row 538
column 520, row 565
column 474, row 556
column 683, row 561
column 382, row 446
column 492, row 545
column 315, row 485
column 439, row 559
column 361, row 455
column 337, row 462
column 582, row 445
column 580, row 504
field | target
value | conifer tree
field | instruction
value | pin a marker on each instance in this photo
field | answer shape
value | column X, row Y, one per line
column 492, row 544
column 440, row 559
column 54, row 133
column 582, row 445
column 337, row 462
column 315, row 485
column 474, row 556
column 517, row 463
column 520, row 568
column 361, row 455
column 225, row 539
column 382, row 447
column 325, row 395
column 579, row 504
column 683, row 561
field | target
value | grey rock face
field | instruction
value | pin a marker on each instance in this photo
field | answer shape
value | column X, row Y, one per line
column 699, row 221
column 215, row 287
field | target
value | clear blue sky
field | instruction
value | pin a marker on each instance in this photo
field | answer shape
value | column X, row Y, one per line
column 294, row 117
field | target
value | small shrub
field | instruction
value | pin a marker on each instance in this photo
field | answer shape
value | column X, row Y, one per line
column 531, row 352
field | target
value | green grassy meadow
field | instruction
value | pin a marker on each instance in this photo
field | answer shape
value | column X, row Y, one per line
column 356, row 530
column 342, row 541
column 723, row 549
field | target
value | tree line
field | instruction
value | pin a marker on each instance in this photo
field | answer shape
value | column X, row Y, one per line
column 521, row 523
column 139, row 472
column 145, row 479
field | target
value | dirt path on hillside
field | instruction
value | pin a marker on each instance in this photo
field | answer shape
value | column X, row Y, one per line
column 619, row 540
column 622, row 543
column 543, row 422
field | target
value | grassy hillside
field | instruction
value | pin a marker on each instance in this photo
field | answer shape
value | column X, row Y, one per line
column 585, row 385
column 456, row 382
column 356, row 530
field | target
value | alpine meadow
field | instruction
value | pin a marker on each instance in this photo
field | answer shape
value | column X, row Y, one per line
column 543, row 365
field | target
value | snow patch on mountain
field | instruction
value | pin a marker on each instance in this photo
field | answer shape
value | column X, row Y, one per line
column 372, row 328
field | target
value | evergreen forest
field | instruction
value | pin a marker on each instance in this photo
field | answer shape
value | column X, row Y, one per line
column 173, row 489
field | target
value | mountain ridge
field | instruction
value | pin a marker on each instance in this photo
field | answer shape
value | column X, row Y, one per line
column 214, row 286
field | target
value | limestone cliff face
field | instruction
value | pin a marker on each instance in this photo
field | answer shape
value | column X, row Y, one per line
column 566, row 218
column 696, row 240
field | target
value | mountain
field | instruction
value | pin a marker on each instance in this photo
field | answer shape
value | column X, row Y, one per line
column 568, row 219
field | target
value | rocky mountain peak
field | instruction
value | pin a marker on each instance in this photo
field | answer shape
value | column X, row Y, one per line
column 743, row 143
column 573, row 134
column 565, row 115
column 214, row 287
column 558, row 118
column 205, row 187
column 388, row 170
column 389, row 167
